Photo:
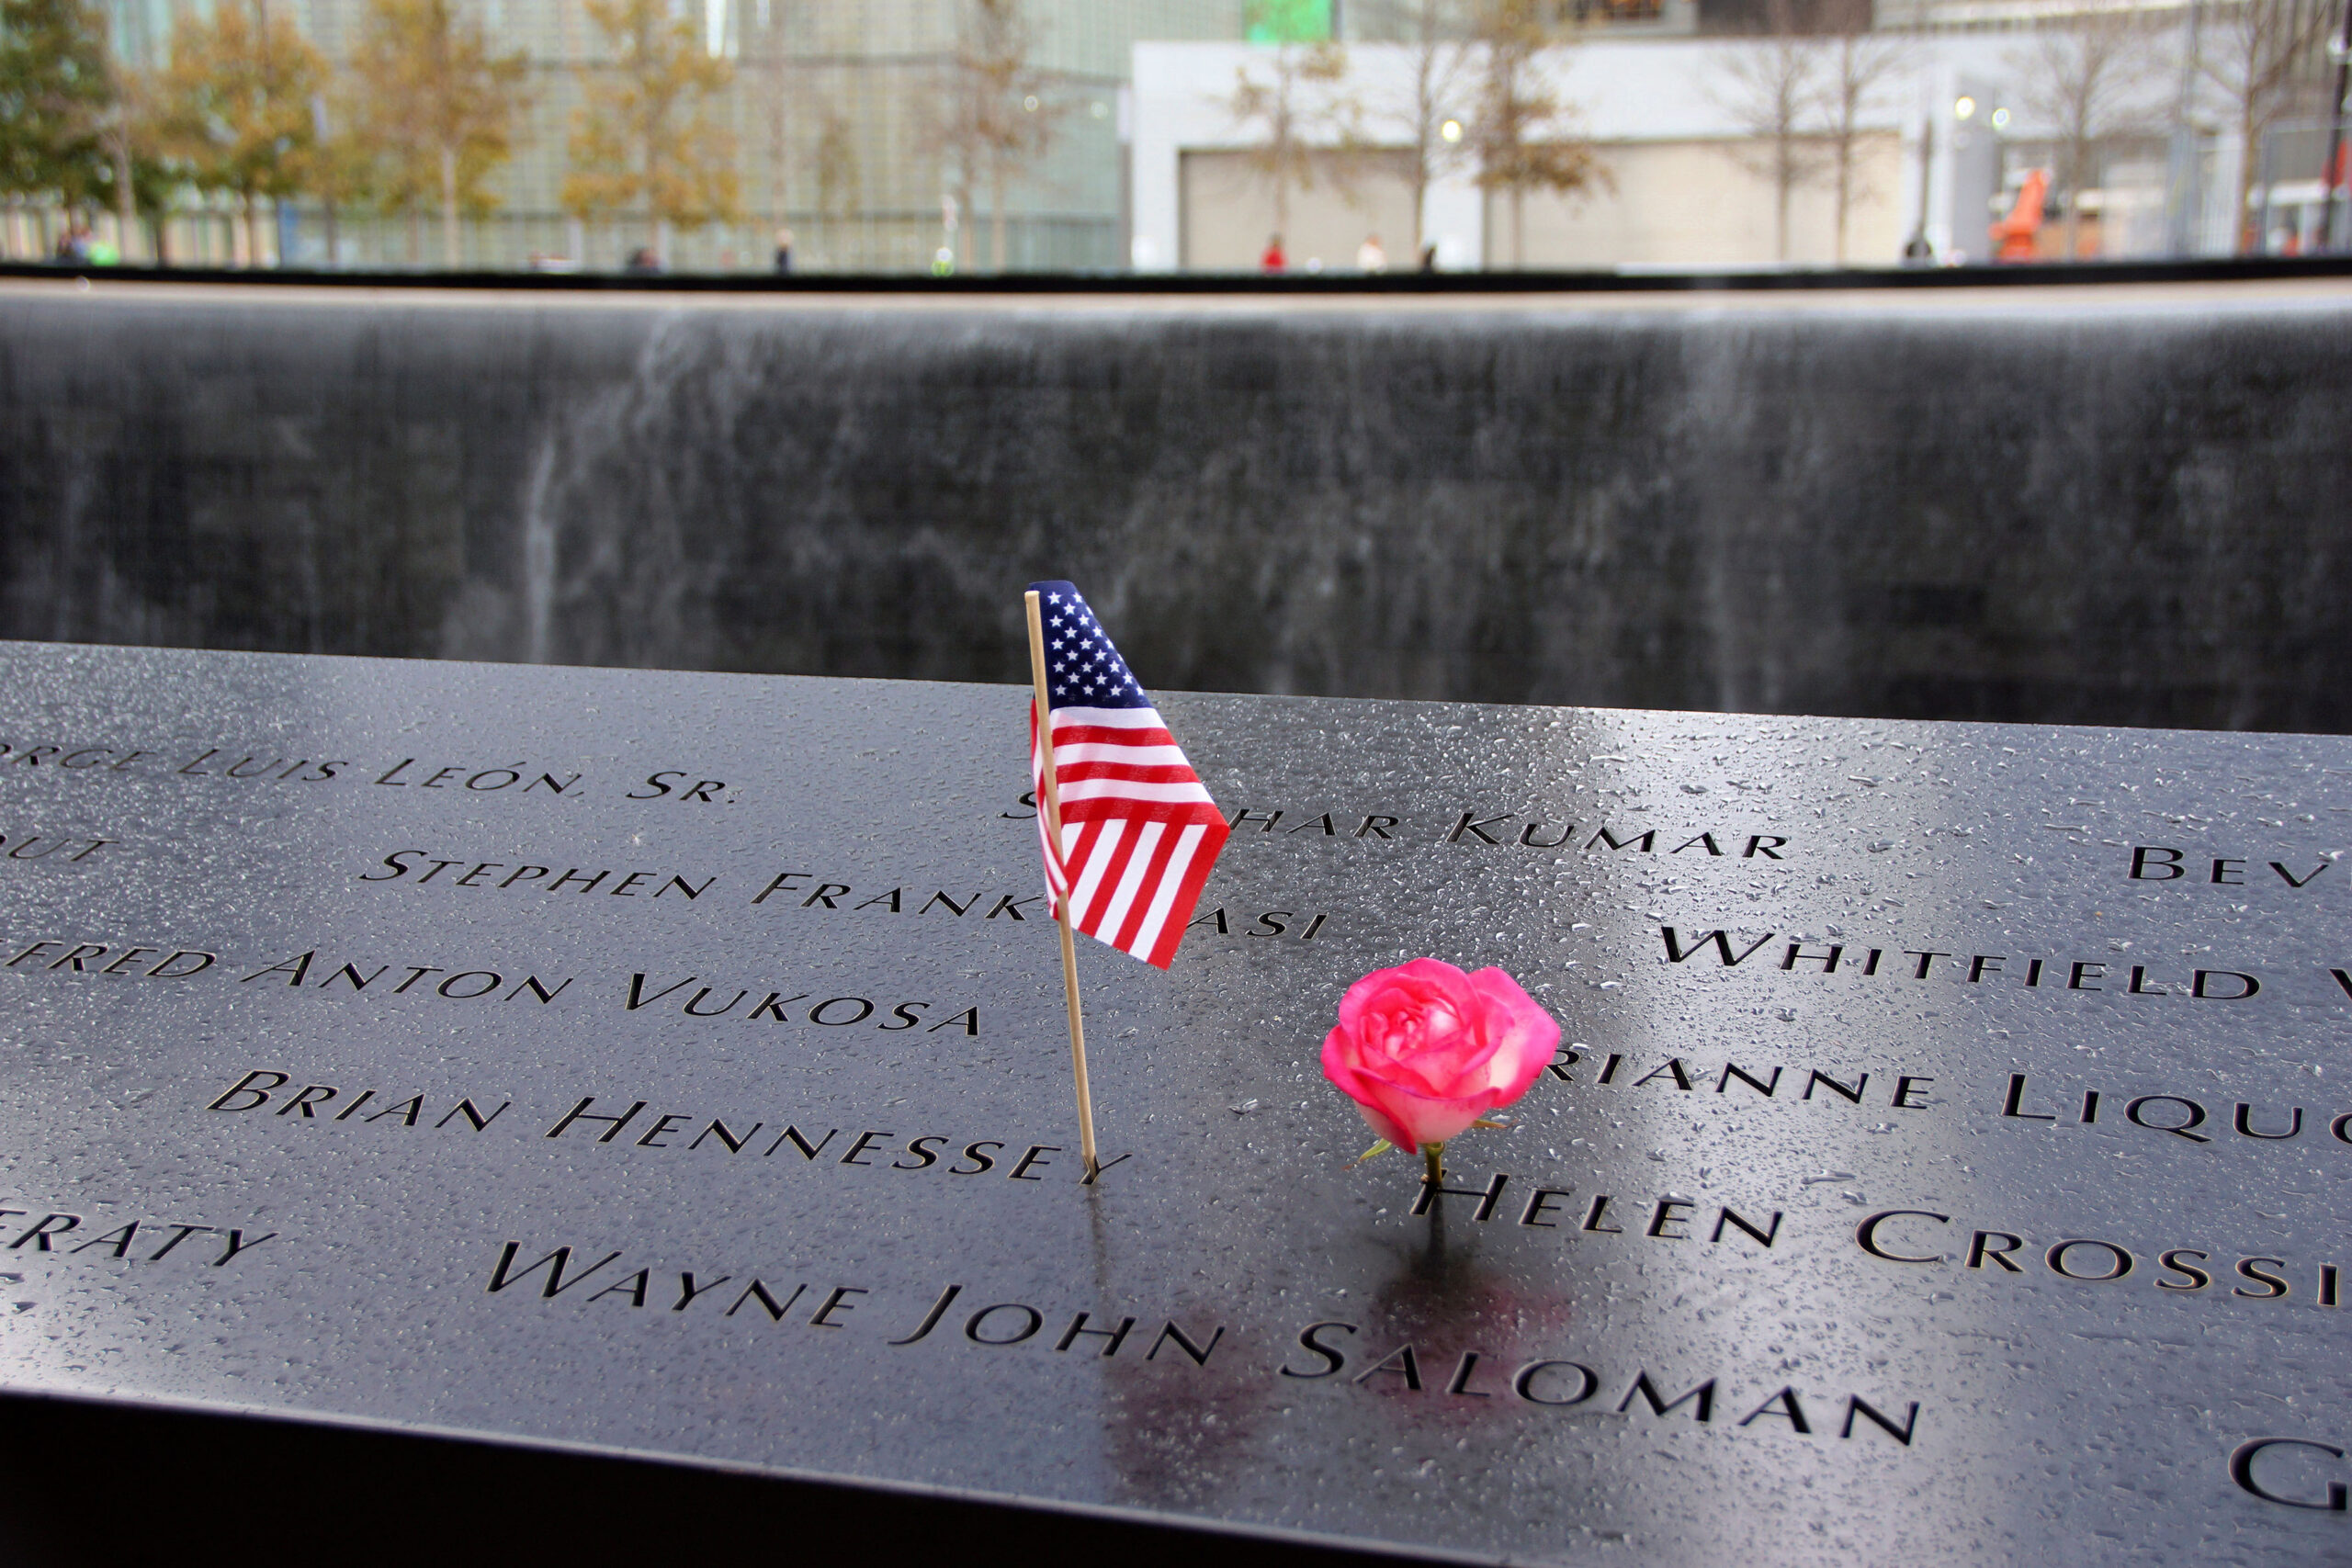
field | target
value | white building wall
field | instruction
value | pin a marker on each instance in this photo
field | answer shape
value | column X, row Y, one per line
column 1662, row 113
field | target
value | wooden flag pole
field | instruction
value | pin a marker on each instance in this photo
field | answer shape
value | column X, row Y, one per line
column 1050, row 803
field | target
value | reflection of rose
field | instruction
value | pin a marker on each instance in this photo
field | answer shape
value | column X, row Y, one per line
column 1425, row 1050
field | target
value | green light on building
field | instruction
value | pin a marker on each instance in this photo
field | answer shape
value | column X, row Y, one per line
column 1289, row 21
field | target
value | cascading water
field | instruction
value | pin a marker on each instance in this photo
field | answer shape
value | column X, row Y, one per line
column 2067, row 506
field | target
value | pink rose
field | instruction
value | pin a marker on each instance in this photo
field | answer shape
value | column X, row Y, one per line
column 1425, row 1050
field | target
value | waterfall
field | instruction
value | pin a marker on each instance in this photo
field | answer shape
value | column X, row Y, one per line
column 2071, row 509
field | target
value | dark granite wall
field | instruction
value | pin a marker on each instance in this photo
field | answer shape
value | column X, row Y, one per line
column 2071, row 507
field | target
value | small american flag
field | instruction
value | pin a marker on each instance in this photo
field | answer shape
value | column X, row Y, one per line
column 1140, row 833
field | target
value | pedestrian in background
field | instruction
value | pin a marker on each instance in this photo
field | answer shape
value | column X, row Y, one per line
column 783, row 251
column 1370, row 256
column 1273, row 260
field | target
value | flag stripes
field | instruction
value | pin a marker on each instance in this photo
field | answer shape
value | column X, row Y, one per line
column 1140, row 833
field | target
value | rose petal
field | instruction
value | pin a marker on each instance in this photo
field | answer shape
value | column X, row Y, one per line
column 1384, row 1128
column 1528, row 1037
column 1425, row 1049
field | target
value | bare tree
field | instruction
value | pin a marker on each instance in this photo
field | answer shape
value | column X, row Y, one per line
column 1290, row 112
column 1435, row 35
column 1524, row 137
column 997, row 112
column 2256, row 48
column 773, row 19
column 119, row 128
column 350, row 168
column 837, row 166
column 1858, row 67
column 2088, row 80
column 1776, row 82
column 127, row 134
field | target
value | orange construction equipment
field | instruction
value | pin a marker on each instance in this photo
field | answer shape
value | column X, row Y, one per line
column 2013, row 237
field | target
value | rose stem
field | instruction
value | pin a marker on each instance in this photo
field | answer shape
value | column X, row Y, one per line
column 1435, row 1154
